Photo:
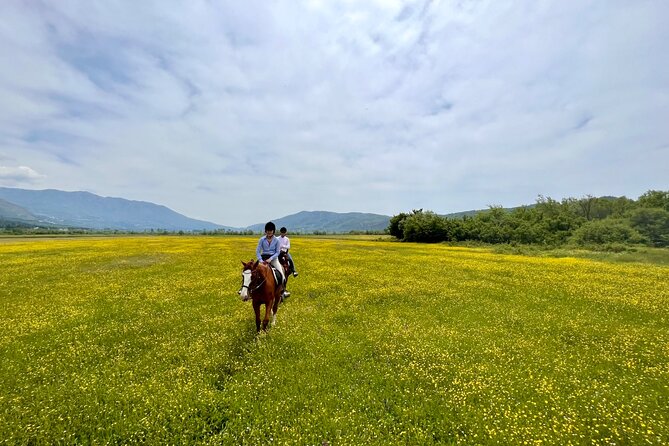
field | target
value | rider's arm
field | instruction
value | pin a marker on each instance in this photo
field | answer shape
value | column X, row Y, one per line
column 287, row 244
column 259, row 249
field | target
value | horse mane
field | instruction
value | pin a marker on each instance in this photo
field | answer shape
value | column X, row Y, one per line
column 267, row 274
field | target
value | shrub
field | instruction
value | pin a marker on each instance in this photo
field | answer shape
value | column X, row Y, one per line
column 395, row 228
column 653, row 223
column 607, row 231
column 425, row 227
column 655, row 199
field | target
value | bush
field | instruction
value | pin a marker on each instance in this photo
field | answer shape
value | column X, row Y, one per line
column 395, row 228
column 655, row 199
column 653, row 223
column 607, row 231
column 425, row 227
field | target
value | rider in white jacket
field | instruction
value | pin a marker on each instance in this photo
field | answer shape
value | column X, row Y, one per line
column 284, row 243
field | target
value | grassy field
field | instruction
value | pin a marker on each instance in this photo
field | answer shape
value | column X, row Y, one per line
column 144, row 340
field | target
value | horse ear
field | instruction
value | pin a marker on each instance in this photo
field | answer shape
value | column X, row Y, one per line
column 255, row 265
column 243, row 263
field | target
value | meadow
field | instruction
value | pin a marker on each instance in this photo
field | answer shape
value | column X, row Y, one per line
column 143, row 340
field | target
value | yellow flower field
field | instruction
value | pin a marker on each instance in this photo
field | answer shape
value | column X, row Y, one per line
column 144, row 340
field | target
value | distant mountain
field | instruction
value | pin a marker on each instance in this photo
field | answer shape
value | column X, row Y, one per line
column 331, row 222
column 87, row 210
column 473, row 213
column 460, row 215
column 13, row 216
column 55, row 208
column 10, row 211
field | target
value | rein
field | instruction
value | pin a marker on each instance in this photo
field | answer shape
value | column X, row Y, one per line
column 256, row 288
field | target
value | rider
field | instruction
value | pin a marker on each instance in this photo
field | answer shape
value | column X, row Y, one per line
column 269, row 248
column 284, row 242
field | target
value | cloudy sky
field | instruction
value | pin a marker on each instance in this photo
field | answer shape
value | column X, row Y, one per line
column 239, row 112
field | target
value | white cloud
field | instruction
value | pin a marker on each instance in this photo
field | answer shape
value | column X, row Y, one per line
column 377, row 106
column 19, row 175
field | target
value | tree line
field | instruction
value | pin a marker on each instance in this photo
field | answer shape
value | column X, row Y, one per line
column 584, row 221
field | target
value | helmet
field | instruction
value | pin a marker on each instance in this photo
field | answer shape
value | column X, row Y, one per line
column 269, row 226
column 283, row 230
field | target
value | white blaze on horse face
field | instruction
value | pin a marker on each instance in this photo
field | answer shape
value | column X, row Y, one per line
column 244, row 292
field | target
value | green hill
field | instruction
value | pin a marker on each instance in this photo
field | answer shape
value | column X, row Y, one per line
column 11, row 211
column 331, row 222
column 87, row 210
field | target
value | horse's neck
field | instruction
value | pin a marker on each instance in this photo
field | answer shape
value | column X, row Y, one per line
column 266, row 273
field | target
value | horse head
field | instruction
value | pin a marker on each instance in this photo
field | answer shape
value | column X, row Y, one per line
column 247, row 278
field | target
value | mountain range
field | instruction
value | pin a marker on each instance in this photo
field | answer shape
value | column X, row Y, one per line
column 52, row 208
column 310, row 221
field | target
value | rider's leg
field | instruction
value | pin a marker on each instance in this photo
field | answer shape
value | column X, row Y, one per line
column 292, row 264
column 275, row 263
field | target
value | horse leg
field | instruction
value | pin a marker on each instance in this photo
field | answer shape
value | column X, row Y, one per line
column 256, row 310
column 275, row 308
column 268, row 310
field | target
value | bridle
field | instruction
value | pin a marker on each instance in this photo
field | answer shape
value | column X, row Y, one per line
column 248, row 287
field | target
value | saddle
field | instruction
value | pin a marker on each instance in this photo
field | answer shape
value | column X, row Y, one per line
column 277, row 276
column 275, row 272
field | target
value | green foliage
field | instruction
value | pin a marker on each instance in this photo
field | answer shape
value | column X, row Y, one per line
column 653, row 223
column 609, row 230
column 425, row 226
column 585, row 221
column 655, row 199
column 594, row 208
column 493, row 226
column 395, row 227
column 557, row 219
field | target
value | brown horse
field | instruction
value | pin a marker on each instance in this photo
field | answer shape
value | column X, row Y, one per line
column 258, row 285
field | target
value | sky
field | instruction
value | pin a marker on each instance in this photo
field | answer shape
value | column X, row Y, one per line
column 240, row 112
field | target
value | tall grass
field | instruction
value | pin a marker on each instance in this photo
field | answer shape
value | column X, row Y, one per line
column 144, row 340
